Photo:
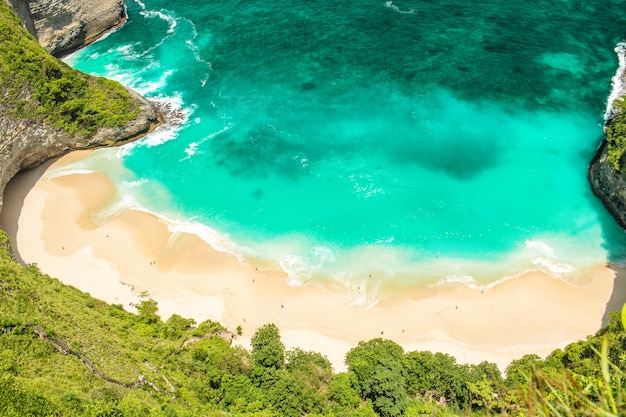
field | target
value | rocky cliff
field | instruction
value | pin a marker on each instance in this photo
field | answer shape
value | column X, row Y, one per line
column 31, row 81
column 62, row 26
column 608, row 184
column 25, row 143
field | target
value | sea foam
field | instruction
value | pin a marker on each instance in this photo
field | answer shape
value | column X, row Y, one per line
column 192, row 149
column 341, row 155
column 390, row 5
column 617, row 81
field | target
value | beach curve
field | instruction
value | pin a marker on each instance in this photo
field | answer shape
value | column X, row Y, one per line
column 135, row 252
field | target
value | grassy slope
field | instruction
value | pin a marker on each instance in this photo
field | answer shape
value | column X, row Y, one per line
column 211, row 378
column 51, row 334
column 120, row 345
column 37, row 86
column 616, row 136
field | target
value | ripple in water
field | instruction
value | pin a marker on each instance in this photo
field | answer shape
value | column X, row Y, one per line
column 372, row 144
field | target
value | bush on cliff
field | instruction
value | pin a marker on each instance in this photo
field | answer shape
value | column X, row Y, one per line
column 616, row 135
column 36, row 86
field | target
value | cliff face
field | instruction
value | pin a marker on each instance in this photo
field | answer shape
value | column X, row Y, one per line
column 608, row 185
column 61, row 26
column 29, row 138
column 25, row 143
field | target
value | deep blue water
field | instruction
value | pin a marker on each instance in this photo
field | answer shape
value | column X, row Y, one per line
column 373, row 143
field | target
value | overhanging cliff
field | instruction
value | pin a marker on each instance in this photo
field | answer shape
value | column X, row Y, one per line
column 607, row 171
column 48, row 108
column 62, row 26
column 608, row 185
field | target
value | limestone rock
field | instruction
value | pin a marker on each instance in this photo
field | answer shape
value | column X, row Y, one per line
column 25, row 144
column 608, row 185
column 62, row 26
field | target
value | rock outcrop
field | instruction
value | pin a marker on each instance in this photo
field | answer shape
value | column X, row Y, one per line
column 62, row 26
column 608, row 184
column 25, row 144
column 28, row 142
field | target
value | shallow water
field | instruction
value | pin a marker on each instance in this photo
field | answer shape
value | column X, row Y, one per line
column 372, row 143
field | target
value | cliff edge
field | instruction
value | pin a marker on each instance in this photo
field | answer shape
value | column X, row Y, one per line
column 62, row 26
column 48, row 108
column 607, row 173
column 608, row 184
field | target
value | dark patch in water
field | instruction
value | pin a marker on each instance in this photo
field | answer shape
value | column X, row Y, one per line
column 462, row 159
column 259, row 152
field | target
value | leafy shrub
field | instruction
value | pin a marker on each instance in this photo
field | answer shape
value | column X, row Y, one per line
column 616, row 135
column 37, row 86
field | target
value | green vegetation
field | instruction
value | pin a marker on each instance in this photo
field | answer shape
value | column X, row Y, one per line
column 616, row 135
column 63, row 353
column 36, row 86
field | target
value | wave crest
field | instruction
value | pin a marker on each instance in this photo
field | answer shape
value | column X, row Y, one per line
column 617, row 81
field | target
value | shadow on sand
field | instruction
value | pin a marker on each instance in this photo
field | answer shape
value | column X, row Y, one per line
column 13, row 200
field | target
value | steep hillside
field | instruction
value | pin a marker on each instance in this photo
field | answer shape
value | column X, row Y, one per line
column 607, row 172
column 48, row 108
column 63, row 353
column 64, row 25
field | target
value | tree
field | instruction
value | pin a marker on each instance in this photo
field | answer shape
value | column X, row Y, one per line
column 521, row 370
column 311, row 367
column 343, row 390
column 437, row 374
column 176, row 326
column 290, row 396
column 268, row 350
column 147, row 309
column 379, row 369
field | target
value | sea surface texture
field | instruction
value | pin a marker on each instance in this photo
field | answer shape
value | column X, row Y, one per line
column 375, row 145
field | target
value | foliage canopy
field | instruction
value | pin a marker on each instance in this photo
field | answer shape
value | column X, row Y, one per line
column 616, row 135
column 36, row 86
column 63, row 353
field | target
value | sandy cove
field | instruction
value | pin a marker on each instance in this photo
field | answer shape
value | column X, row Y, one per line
column 136, row 252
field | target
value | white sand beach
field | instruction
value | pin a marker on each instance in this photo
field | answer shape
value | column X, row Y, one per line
column 136, row 252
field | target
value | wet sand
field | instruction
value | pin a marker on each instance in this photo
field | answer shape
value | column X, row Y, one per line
column 52, row 221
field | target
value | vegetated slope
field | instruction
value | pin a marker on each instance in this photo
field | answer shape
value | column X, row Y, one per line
column 606, row 171
column 62, row 26
column 63, row 353
column 616, row 135
column 48, row 108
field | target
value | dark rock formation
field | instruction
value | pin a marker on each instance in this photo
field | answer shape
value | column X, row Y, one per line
column 25, row 144
column 62, row 26
column 608, row 185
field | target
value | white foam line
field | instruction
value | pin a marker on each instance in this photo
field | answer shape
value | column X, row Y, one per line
column 60, row 172
column 212, row 237
column 175, row 115
column 617, row 81
column 395, row 8
column 163, row 15
column 193, row 147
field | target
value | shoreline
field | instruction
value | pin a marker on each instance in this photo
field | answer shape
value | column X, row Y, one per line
column 135, row 252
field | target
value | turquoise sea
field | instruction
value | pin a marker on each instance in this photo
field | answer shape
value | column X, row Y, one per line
column 377, row 144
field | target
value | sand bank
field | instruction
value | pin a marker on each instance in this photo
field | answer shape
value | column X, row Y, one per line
column 135, row 251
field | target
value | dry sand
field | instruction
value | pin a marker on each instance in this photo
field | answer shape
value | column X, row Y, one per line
column 135, row 252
